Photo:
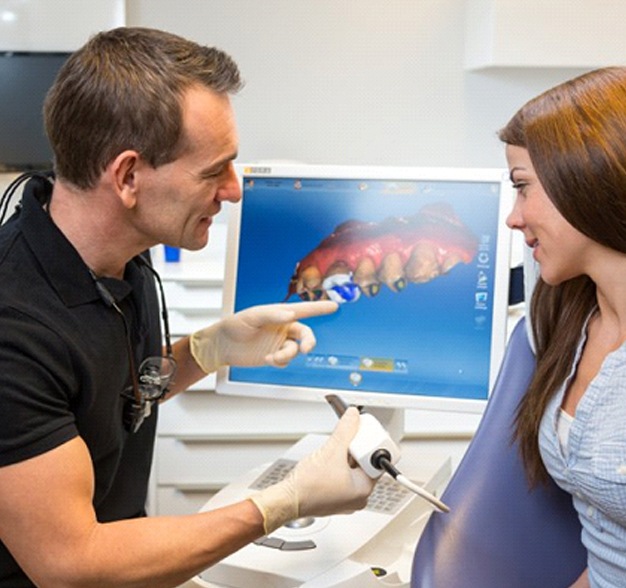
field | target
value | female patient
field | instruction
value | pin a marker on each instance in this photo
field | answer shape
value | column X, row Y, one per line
column 566, row 151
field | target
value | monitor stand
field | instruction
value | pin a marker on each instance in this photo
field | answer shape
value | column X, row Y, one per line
column 392, row 420
column 363, row 549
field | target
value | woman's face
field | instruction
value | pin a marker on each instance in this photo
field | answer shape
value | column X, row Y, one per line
column 558, row 247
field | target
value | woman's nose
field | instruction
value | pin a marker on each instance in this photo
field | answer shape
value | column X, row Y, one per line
column 514, row 220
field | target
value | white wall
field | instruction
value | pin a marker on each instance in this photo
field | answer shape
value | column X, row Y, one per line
column 354, row 82
column 55, row 25
column 347, row 82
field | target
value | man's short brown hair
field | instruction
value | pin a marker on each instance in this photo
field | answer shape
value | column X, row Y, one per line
column 122, row 90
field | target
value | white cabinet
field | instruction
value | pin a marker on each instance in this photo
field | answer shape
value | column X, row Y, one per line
column 544, row 33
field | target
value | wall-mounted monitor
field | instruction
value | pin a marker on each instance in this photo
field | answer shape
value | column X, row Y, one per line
column 25, row 78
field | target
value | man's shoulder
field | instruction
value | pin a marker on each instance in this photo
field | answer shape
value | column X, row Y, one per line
column 9, row 234
column 20, row 273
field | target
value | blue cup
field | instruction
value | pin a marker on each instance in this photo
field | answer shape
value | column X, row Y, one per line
column 172, row 254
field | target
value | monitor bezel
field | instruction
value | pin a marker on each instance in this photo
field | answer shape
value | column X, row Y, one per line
column 373, row 399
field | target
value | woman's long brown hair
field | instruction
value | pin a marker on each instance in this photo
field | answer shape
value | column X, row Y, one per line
column 575, row 135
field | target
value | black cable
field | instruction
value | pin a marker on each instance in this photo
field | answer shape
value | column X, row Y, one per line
column 164, row 315
column 7, row 196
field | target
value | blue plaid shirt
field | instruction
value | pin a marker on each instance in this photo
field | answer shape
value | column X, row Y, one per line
column 593, row 470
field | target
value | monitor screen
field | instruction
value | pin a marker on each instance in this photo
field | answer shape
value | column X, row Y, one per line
column 417, row 258
column 25, row 78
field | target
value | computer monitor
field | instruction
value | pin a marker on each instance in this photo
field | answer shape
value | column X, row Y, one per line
column 25, row 78
column 419, row 259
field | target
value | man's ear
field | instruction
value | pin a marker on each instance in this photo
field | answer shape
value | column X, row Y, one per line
column 124, row 177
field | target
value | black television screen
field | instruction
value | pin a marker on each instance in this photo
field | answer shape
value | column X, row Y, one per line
column 25, row 78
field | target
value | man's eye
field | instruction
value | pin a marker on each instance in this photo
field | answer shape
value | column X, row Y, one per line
column 213, row 174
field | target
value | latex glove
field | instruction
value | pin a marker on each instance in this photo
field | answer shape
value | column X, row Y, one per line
column 260, row 335
column 323, row 483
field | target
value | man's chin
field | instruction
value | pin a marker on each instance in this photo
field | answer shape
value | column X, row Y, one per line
column 197, row 244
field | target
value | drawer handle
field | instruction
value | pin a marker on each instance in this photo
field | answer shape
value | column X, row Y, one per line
column 231, row 438
column 198, row 488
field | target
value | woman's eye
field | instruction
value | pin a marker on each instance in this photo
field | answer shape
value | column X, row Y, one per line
column 520, row 186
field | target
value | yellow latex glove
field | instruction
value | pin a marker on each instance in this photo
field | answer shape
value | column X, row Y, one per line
column 261, row 335
column 323, row 483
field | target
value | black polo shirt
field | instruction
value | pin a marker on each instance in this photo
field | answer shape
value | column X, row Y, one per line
column 64, row 360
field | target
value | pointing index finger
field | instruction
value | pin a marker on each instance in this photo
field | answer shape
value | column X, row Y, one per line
column 310, row 309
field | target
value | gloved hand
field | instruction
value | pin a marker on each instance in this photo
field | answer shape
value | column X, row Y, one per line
column 323, row 483
column 260, row 335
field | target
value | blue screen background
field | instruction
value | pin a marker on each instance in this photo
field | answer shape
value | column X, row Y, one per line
column 435, row 333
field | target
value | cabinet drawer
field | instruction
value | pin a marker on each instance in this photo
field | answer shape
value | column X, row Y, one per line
column 183, row 499
column 186, row 462
column 202, row 413
column 193, row 296
column 186, row 321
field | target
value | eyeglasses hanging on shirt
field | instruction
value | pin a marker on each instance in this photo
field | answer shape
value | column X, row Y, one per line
column 151, row 382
